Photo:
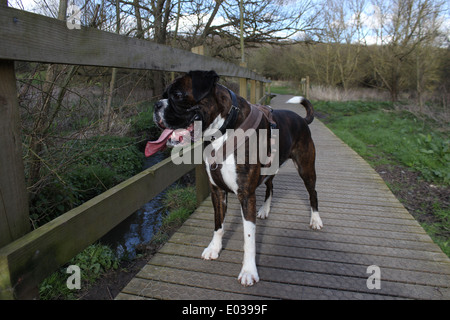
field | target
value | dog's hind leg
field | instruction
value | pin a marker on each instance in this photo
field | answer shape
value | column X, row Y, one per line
column 309, row 178
column 263, row 212
column 306, row 169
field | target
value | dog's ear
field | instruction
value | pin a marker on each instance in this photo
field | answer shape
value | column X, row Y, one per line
column 202, row 83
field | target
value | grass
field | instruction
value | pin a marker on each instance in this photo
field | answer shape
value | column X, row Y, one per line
column 386, row 136
column 93, row 262
column 284, row 89
column 434, row 229
column 381, row 134
column 180, row 202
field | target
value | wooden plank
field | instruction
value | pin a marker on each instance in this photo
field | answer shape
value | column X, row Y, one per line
column 143, row 289
column 14, row 218
column 28, row 260
column 30, row 37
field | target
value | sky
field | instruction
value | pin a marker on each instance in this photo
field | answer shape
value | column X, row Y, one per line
column 28, row 4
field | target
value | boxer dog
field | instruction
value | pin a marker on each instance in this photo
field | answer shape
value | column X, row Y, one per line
column 197, row 96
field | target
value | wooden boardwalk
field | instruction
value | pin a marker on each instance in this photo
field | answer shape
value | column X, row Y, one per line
column 364, row 225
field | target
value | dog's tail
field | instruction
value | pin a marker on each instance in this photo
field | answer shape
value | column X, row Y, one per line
column 309, row 110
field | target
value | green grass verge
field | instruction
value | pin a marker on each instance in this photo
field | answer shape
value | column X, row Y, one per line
column 381, row 134
column 284, row 90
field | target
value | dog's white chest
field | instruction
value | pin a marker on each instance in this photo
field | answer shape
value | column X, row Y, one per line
column 227, row 168
column 229, row 175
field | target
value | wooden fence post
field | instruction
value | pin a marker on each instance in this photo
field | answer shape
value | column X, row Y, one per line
column 243, row 87
column 14, row 218
column 198, row 50
column 307, row 88
column 259, row 88
column 253, row 91
column 243, row 83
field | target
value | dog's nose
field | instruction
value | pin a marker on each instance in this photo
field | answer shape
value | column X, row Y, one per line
column 158, row 105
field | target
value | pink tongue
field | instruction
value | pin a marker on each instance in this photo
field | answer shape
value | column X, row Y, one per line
column 154, row 146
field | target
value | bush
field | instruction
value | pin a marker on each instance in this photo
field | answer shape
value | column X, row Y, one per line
column 143, row 121
column 53, row 200
column 118, row 154
column 100, row 164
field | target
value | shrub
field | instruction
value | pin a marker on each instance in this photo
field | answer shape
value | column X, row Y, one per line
column 99, row 164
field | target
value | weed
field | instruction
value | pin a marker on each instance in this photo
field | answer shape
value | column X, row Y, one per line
column 94, row 261
column 181, row 197
column 143, row 121
column 439, row 227
column 180, row 202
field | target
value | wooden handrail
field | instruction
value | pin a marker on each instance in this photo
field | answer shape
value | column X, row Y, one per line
column 26, row 36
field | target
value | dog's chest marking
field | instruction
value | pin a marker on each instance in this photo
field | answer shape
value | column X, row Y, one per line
column 228, row 172
column 227, row 168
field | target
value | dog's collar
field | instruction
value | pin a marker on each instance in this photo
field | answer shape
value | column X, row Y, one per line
column 231, row 119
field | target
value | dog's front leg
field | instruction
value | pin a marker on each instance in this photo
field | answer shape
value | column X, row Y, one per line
column 249, row 274
column 219, row 200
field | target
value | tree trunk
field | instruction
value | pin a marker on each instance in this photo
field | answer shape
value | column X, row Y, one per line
column 107, row 112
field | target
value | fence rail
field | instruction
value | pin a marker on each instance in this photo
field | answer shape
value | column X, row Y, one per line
column 26, row 258
column 31, row 37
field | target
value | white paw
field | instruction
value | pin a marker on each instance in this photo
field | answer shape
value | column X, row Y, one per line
column 248, row 278
column 315, row 223
column 263, row 212
column 210, row 253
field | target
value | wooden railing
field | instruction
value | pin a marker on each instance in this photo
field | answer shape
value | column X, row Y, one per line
column 27, row 257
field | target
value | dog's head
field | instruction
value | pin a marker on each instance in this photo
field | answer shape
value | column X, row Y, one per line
column 188, row 99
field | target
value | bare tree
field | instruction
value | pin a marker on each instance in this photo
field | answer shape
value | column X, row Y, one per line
column 400, row 32
column 342, row 32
